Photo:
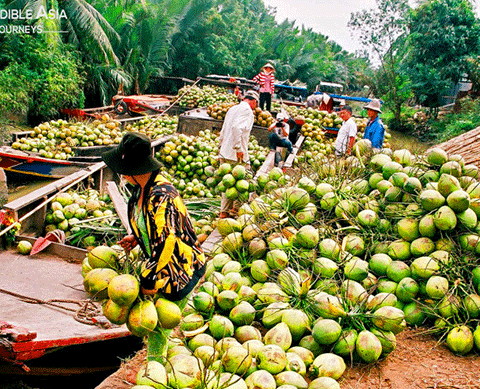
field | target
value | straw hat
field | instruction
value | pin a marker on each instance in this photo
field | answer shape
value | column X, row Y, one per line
column 374, row 105
column 133, row 156
column 268, row 65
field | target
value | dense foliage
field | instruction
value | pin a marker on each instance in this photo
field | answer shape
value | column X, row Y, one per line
column 439, row 47
column 38, row 80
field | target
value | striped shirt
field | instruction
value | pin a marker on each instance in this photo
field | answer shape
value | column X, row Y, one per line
column 266, row 81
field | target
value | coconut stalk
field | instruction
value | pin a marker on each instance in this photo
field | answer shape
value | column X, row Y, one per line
column 157, row 340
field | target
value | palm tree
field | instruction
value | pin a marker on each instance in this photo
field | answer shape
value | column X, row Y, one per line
column 80, row 24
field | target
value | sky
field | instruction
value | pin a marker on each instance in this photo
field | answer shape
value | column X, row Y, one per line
column 327, row 17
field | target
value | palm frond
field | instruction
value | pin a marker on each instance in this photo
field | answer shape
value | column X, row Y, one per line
column 92, row 30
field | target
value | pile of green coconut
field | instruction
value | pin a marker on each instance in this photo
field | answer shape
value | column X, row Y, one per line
column 327, row 269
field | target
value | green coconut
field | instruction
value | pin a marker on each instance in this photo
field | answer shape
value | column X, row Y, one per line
column 221, row 327
column 323, row 188
column 326, row 331
column 414, row 313
column 356, row 269
column 368, row 218
column 399, row 250
column 468, row 219
column 460, row 340
column 458, row 200
column 353, row 244
column 329, row 248
column 431, row 199
column 228, row 225
column 345, row 345
column 448, row 184
column 424, row 267
column 390, row 168
column 426, row 226
column 324, row 267
column 295, row 363
column 378, row 161
column 307, row 237
column 378, row 263
column 422, row 246
column 407, row 289
column 437, row 287
column 445, row 218
column 328, row 365
column 272, row 358
column 368, row 346
column 381, row 299
column 297, row 322
column 451, row 167
column 408, row 229
column 436, row 156
column 242, row 314
column 279, row 335
column 142, row 318
column 227, row 299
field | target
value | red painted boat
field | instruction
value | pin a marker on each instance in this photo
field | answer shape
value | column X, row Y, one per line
column 21, row 164
column 44, row 306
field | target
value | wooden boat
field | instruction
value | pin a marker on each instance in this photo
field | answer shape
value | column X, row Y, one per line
column 196, row 120
column 44, row 306
column 18, row 164
column 45, row 309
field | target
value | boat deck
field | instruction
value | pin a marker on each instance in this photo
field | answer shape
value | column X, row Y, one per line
column 32, row 329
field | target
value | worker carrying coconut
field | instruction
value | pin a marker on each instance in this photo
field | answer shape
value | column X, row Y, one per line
column 374, row 131
column 173, row 258
column 346, row 134
column 266, row 80
column 234, row 138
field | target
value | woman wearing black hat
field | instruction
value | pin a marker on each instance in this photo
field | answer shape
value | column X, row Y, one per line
column 174, row 261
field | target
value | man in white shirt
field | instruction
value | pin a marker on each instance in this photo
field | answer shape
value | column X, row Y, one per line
column 234, row 138
column 346, row 134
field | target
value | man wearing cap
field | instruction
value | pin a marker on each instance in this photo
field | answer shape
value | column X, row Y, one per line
column 266, row 80
column 173, row 260
column 374, row 131
column 347, row 133
column 234, row 138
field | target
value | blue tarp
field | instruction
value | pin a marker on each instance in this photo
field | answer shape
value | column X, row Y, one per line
column 297, row 88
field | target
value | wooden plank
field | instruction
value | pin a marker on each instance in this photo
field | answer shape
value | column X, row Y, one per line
column 15, row 333
column 119, row 204
column 291, row 158
column 267, row 164
column 70, row 253
column 212, row 241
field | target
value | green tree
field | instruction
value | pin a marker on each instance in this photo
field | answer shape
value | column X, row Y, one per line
column 443, row 36
column 86, row 30
column 38, row 80
column 382, row 32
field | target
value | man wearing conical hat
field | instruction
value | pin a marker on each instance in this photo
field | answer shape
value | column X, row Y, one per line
column 374, row 131
column 266, row 80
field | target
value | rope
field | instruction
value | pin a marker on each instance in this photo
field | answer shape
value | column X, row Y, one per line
column 87, row 313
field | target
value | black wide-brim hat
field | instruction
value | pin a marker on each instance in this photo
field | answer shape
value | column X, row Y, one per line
column 133, row 156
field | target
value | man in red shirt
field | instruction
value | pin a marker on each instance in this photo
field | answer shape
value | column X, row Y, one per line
column 266, row 80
